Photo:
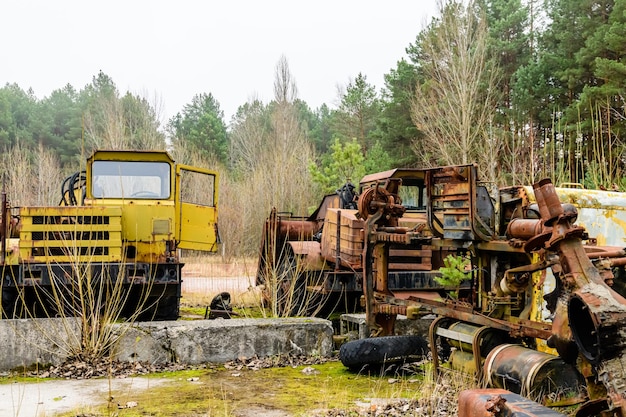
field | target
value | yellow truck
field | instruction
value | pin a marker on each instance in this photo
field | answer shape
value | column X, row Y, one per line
column 113, row 242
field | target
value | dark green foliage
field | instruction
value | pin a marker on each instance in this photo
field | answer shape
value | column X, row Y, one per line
column 65, row 123
column 357, row 113
column 320, row 128
column 454, row 273
column 395, row 128
column 201, row 124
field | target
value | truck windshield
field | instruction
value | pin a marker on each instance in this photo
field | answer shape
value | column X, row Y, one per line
column 413, row 194
column 130, row 179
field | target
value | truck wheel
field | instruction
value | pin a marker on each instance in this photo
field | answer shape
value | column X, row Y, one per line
column 167, row 308
column 161, row 308
column 382, row 350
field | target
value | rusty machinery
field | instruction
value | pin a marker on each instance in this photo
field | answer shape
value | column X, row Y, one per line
column 540, row 313
column 490, row 331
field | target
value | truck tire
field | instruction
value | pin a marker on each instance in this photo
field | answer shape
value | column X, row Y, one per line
column 9, row 303
column 161, row 308
column 382, row 350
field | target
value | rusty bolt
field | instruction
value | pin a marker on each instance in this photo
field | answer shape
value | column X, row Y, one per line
column 495, row 404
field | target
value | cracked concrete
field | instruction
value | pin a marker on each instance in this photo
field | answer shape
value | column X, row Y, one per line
column 27, row 342
column 202, row 341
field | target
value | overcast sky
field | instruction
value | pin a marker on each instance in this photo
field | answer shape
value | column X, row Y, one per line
column 168, row 51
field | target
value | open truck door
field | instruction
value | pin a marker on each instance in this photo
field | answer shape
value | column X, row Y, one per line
column 196, row 208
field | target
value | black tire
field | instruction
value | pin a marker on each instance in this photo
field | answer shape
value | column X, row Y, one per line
column 167, row 308
column 9, row 303
column 382, row 350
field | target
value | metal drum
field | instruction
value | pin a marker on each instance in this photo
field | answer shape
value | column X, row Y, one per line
column 531, row 373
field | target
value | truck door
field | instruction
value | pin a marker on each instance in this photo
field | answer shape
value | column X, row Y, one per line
column 196, row 208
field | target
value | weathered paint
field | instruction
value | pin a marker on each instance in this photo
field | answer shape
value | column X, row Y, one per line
column 67, row 234
column 531, row 373
column 499, row 402
column 601, row 213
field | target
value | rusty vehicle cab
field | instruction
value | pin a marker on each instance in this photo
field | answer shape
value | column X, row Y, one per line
column 122, row 222
column 436, row 212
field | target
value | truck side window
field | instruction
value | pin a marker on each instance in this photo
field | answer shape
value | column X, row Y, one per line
column 197, row 188
column 412, row 193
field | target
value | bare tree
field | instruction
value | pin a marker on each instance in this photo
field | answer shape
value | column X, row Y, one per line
column 285, row 89
column 249, row 133
column 114, row 122
column 270, row 153
column 47, row 187
column 454, row 104
column 18, row 175
column 104, row 123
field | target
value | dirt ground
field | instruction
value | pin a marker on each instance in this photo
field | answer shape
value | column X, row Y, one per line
column 48, row 398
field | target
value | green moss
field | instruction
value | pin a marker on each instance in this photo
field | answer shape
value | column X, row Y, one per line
column 222, row 392
column 188, row 312
column 195, row 311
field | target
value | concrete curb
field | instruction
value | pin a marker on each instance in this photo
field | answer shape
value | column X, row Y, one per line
column 194, row 342
column 27, row 342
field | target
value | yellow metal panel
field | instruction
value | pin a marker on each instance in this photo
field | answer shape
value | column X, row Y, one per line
column 601, row 213
column 70, row 234
column 150, row 252
column 138, row 220
column 197, row 226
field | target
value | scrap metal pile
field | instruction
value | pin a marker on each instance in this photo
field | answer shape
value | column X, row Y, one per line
column 542, row 311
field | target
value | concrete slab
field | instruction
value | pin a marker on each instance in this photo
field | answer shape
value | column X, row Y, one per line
column 203, row 341
column 27, row 342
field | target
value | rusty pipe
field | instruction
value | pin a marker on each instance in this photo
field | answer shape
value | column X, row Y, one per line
column 498, row 402
column 548, row 200
column 4, row 232
column 524, row 228
column 618, row 262
column 617, row 253
column 338, row 243
column 297, row 229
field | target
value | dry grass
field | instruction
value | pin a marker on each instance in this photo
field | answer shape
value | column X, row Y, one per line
column 204, row 277
column 215, row 266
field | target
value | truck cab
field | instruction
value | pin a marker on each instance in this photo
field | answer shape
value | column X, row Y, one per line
column 122, row 223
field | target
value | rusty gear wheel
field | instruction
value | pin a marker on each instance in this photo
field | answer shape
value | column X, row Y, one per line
column 370, row 196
